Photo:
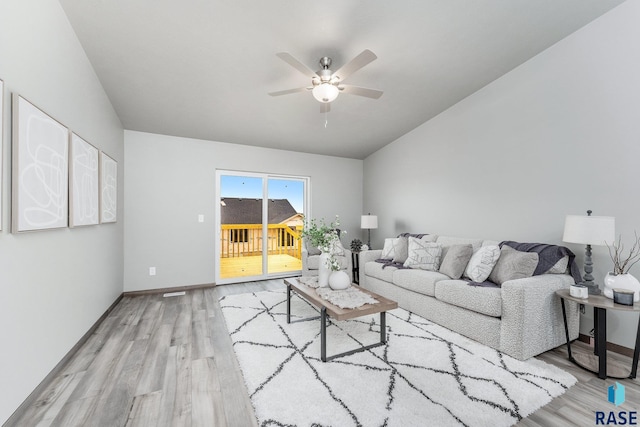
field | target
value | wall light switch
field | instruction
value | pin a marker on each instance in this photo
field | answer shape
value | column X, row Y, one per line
column 200, row 218
column 152, row 271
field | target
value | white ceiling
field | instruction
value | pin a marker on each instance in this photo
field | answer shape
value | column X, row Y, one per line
column 202, row 68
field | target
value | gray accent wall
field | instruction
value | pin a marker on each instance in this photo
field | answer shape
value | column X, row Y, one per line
column 558, row 135
column 171, row 180
column 55, row 284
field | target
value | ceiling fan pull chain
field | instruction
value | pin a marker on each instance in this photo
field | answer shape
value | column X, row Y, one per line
column 326, row 120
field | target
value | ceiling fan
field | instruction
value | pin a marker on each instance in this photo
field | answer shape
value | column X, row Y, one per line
column 326, row 85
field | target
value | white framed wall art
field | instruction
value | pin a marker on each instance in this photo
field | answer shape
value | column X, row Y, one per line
column 40, row 180
column 108, row 189
column 84, row 183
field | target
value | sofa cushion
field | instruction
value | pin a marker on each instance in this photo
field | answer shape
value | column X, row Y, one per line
column 513, row 264
column 420, row 281
column 423, row 255
column 456, row 260
column 476, row 298
column 482, row 262
column 379, row 271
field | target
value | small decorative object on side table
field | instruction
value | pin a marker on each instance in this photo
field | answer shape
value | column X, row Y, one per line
column 620, row 278
column 356, row 247
column 600, row 306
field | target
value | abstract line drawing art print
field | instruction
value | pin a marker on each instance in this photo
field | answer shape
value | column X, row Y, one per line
column 83, row 183
column 108, row 189
column 1, row 143
column 40, row 168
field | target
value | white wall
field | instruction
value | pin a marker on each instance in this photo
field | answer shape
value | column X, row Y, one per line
column 55, row 284
column 558, row 135
column 171, row 180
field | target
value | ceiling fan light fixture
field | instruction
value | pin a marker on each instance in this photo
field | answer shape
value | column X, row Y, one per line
column 325, row 92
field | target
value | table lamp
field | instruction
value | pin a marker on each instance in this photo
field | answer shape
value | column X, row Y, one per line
column 589, row 230
column 367, row 222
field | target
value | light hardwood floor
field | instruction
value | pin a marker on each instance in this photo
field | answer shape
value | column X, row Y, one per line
column 158, row 361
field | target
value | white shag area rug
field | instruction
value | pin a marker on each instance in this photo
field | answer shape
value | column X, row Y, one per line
column 425, row 375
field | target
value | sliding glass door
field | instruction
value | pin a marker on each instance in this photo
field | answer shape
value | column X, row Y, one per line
column 259, row 219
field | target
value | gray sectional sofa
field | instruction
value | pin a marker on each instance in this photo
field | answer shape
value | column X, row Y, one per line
column 522, row 317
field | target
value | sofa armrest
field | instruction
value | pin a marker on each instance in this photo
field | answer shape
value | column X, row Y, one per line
column 367, row 256
column 364, row 258
column 532, row 315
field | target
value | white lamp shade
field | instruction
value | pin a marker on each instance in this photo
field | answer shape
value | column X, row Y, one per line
column 369, row 221
column 589, row 230
column 325, row 92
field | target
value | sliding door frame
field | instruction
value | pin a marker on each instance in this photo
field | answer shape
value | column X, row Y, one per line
column 265, row 219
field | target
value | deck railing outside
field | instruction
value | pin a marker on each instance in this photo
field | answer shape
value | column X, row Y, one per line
column 237, row 240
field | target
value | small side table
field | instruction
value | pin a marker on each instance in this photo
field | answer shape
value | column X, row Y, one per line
column 600, row 306
column 355, row 267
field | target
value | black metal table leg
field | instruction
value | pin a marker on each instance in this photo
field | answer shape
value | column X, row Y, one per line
column 636, row 352
column 383, row 327
column 288, row 303
column 323, row 334
column 566, row 329
column 595, row 331
column 601, row 341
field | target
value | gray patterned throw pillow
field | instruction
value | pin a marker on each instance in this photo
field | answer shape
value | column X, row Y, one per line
column 423, row 255
column 513, row 264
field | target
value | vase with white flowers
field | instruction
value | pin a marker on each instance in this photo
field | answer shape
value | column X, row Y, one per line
column 323, row 236
column 620, row 278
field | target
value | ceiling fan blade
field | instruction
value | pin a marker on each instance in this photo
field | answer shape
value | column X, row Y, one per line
column 361, row 91
column 286, row 57
column 325, row 107
column 355, row 64
column 288, row 91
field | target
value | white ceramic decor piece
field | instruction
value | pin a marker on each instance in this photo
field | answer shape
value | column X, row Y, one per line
column 323, row 270
column 339, row 280
column 621, row 281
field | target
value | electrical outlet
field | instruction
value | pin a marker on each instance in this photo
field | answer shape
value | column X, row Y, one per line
column 152, row 271
column 200, row 218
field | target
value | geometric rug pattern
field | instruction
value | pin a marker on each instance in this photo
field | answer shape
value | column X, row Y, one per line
column 425, row 375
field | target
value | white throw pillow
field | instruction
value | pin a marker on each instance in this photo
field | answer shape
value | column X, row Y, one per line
column 482, row 262
column 395, row 249
column 423, row 255
column 337, row 248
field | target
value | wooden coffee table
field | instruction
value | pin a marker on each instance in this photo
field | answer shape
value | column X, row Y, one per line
column 327, row 309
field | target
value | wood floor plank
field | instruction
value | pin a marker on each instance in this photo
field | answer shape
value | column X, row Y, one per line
column 145, row 410
column 155, row 361
column 47, row 408
column 119, row 392
column 181, row 333
column 201, row 345
column 176, row 399
column 206, row 397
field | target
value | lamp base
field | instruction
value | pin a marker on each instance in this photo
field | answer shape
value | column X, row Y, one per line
column 592, row 287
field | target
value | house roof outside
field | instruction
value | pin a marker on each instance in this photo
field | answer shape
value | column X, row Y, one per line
column 249, row 211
